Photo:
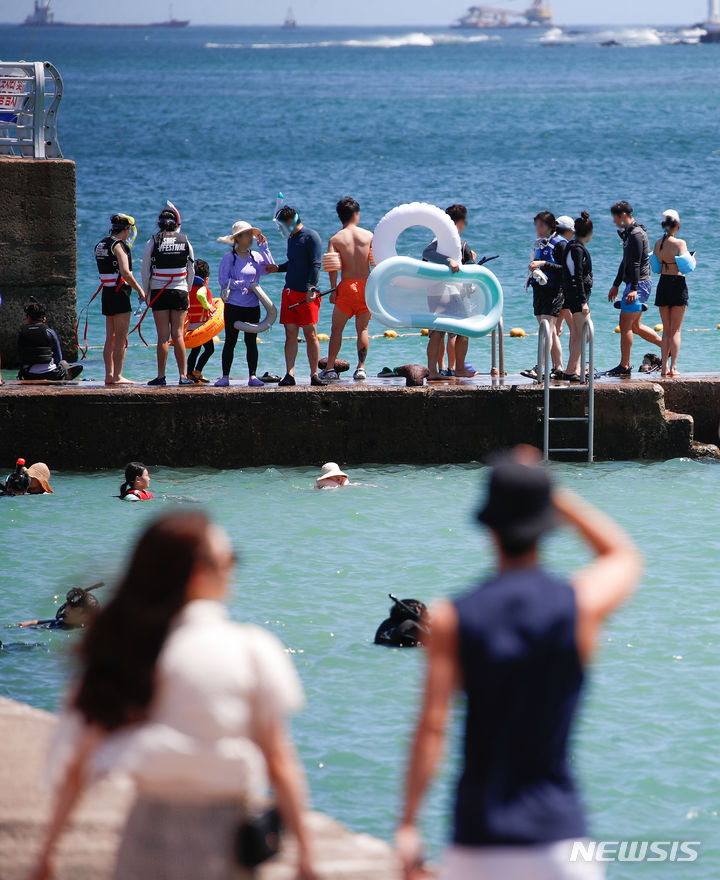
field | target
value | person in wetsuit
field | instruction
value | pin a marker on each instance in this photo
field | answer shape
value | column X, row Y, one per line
column 577, row 286
column 672, row 290
column 300, row 301
column 407, row 626
column 78, row 609
column 39, row 349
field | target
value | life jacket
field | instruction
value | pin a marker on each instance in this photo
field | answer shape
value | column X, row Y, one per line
column 107, row 263
column 35, row 345
column 140, row 494
column 197, row 314
column 170, row 255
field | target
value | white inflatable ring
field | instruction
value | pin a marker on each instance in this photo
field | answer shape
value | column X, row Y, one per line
column 270, row 313
column 395, row 222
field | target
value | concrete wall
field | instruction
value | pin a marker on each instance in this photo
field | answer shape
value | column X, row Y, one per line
column 38, row 247
column 73, row 427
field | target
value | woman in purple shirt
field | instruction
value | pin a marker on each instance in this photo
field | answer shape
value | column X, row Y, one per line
column 239, row 270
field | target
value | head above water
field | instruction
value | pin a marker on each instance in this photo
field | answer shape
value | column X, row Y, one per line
column 179, row 557
column 136, row 477
column 545, row 224
column 458, row 215
column 622, row 213
column 348, row 210
column 518, row 506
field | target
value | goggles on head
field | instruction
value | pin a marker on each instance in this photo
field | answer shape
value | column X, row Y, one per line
column 131, row 223
column 286, row 230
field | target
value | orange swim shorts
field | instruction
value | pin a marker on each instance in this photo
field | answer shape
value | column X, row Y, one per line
column 303, row 314
column 350, row 297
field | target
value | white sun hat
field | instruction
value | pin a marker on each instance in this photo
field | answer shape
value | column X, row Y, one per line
column 671, row 214
column 329, row 470
column 565, row 222
column 239, row 227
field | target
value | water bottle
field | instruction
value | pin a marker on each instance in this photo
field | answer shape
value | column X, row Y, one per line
column 139, row 309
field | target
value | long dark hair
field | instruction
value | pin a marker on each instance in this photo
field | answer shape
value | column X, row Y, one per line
column 120, row 651
column 132, row 471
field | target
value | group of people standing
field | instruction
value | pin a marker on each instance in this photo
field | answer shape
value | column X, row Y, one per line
column 561, row 278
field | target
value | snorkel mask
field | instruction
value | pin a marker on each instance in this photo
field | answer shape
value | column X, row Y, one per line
column 130, row 241
column 284, row 230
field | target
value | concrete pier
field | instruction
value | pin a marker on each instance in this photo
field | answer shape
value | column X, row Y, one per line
column 87, row 849
column 85, row 427
column 38, row 228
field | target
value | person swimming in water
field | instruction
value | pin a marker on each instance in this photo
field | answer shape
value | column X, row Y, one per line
column 78, row 609
column 331, row 477
column 33, row 480
column 671, row 296
column 137, row 483
column 407, row 626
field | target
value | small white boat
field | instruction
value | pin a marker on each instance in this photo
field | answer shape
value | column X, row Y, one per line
column 290, row 21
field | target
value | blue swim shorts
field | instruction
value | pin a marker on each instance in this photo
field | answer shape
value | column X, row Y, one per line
column 638, row 305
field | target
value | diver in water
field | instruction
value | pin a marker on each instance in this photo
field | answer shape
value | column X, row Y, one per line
column 78, row 609
column 407, row 626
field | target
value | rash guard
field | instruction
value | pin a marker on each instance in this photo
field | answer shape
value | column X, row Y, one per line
column 635, row 265
column 304, row 260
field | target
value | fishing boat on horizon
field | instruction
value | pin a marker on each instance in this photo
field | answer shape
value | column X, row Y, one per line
column 712, row 25
column 539, row 14
column 290, row 22
column 43, row 16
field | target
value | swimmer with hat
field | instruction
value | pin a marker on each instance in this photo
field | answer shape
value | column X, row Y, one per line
column 331, row 477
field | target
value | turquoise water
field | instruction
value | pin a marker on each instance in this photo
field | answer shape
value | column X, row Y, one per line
column 220, row 119
column 316, row 569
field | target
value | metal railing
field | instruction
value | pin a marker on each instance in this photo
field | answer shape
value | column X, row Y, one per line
column 497, row 341
column 30, row 95
column 587, row 362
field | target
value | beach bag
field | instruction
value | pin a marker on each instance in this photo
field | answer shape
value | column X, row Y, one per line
column 258, row 837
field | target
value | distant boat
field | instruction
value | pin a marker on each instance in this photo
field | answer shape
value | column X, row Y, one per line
column 43, row 16
column 290, row 21
column 482, row 17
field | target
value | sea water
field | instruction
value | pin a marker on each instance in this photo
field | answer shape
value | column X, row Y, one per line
column 316, row 567
column 219, row 120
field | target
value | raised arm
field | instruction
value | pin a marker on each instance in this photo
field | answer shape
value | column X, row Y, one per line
column 610, row 578
column 443, row 678
column 66, row 798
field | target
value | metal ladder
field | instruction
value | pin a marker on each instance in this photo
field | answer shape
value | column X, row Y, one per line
column 498, row 349
column 544, row 367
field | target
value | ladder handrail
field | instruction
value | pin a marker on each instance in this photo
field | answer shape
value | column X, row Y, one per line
column 543, row 375
column 497, row 340
column 29, row 128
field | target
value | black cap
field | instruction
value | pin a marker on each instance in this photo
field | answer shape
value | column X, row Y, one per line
column 519, row 505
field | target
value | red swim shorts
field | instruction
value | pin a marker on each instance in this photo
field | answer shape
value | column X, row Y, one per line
column 350, row 297
column 303, row 315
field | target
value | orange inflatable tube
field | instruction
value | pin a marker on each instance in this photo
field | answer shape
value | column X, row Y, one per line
column 210, row 329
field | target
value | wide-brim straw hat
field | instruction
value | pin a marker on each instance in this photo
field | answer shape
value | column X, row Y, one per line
column 238, row 228
column 329, row 470
column 41, row 472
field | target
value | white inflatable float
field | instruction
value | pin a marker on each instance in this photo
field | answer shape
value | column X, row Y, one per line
column 270, row 313
column 403, row 292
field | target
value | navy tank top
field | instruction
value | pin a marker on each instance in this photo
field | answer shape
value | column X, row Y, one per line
column 522, row 676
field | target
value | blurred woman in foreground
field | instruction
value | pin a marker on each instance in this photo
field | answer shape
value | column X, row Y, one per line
column 190, row 705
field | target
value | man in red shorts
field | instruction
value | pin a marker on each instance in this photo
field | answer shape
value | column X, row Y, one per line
column 300, row 304
column 349, row 252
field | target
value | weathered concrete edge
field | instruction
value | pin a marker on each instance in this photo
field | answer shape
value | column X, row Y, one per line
column 88, row 847
column 72, row 427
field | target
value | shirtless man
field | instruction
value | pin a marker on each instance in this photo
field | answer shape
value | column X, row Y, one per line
column 349, row 253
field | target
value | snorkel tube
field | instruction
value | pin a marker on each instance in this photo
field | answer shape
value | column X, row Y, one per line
column 131, row 220
column 285, row 231
column 176, row 212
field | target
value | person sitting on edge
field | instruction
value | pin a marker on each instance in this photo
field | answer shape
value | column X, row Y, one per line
column 547, row 290
column 240, row 269
column 200, row 308
column 114, row 262
column 39, row 349
column 300, row 303
column 350, row 253
column 634, row 272
column 137, row 483
column 457, row 345
column 407, row 626
column 168, row 263
column 518, row 646
column 331, row 477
